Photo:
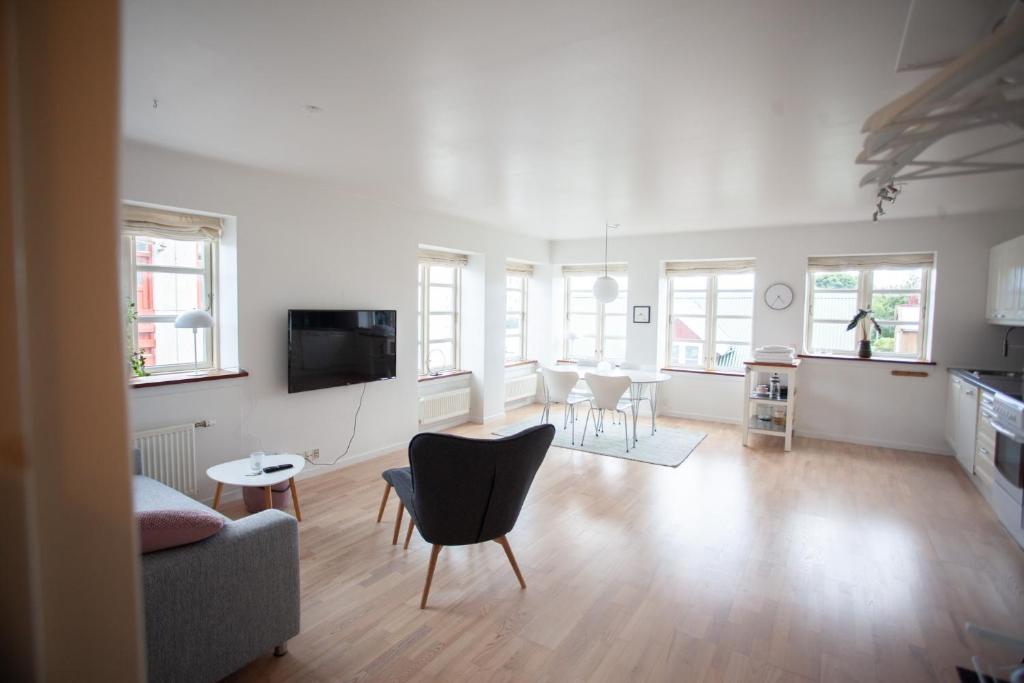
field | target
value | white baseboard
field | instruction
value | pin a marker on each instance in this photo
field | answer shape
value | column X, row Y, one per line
column 445, row 424
column 868, row 441
column 520, row 403
column 698, row 416
column 842, row 438
column 488, row 419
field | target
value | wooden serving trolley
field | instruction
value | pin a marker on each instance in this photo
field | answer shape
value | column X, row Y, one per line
column 751, row 400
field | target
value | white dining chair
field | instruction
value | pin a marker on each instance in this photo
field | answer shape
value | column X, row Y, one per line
column 559, row 386
column 638, row 395
column 608, row 395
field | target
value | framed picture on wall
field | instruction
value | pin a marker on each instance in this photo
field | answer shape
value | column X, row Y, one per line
column 641, row 314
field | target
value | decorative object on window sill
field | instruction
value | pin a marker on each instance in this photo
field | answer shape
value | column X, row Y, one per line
column 886, row 193
column 136, row 359
column 863, row 317
column 194, row 320
column 430, row 358
column 641, row 314
column 606, row 289
column 778, row 296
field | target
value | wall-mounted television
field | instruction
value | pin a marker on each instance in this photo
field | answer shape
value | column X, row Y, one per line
column 336, row 348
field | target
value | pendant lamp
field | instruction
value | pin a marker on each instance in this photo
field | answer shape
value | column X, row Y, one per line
column 606, row 289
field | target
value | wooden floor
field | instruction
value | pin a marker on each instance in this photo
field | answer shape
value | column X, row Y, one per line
column 833, row 562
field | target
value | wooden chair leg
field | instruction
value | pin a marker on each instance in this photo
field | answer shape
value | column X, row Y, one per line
column 383, row 502
column 434, row 552
column 408, row 534
column 295, row 500
column 503, row 542
column 398, row 523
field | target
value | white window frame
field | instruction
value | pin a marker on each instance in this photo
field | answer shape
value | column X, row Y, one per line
column 208, row 271
column 710, row 318
column 865, row 293
column 524, row 290
column 424, row 314
column 600, row 313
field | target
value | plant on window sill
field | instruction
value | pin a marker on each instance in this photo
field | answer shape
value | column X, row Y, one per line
column 136, row 359
column 863, row 318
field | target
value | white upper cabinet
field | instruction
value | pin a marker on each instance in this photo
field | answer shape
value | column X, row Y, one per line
column 1006, row 283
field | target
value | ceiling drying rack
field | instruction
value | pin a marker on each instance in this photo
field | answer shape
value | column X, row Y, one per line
column 982, row 87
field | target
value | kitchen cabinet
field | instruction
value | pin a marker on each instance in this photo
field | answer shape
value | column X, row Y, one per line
column 1005, row 305
column 985, row 447
column 962, row 421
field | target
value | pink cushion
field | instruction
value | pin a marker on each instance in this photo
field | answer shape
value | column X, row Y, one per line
column 160, row 529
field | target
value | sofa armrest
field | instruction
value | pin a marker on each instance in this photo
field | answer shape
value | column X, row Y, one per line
column 211, row 607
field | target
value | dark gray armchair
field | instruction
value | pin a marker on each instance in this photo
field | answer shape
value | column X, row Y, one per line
column 461, row 491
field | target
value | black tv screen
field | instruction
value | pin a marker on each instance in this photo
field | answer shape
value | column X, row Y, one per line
column 335, row 348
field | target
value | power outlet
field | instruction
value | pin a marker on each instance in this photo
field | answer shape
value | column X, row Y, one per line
column 316, row 454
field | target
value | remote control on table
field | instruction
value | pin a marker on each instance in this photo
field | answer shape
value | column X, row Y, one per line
column 277, row 468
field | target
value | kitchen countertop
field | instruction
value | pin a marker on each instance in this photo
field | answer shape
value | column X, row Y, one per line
column 999, row 384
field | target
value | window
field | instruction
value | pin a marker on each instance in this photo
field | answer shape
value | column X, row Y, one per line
column 594, row 331
column 169, row 262
column 516, row 293
column 710, row 313
column 895, row 287
column 440, row 277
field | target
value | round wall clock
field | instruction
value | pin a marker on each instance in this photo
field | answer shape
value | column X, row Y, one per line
column 778, row 296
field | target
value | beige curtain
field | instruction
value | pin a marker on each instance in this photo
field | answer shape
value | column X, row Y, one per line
column 443, row 258
column 146, row 222
column 594, row 269
column 712, row 266
column 516, row 268
column 864, row 261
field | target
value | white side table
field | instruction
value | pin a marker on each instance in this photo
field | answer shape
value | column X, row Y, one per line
column 239, row 473
column 751, row 425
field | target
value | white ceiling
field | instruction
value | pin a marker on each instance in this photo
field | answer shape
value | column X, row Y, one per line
column 539, row 116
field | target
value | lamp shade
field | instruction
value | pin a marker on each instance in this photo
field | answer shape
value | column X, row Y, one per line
column 194, row 319
column 606, row 289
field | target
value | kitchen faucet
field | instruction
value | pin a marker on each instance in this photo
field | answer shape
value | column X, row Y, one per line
column 1006, row 342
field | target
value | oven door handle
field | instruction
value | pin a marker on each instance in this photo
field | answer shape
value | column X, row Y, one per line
column 1006, row 432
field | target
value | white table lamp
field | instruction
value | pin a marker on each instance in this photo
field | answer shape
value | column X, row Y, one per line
column 194, row 320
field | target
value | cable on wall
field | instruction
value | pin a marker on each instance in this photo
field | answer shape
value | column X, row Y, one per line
column 355, row 425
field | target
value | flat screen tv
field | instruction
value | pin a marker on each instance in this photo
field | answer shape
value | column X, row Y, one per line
column 335, row 348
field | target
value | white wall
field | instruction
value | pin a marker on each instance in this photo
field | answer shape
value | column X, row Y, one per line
column 304, row 244
column 845, row 400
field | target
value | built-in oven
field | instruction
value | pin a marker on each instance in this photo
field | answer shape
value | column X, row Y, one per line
column 1008, row 422
column 1008, row 456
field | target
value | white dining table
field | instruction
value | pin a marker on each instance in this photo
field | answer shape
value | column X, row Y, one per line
column 643, row 385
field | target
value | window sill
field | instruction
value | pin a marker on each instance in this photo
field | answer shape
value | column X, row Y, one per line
column 184, row 378
column 698, row 371
column 900, row 361
column 517, row 363
column 443, row 375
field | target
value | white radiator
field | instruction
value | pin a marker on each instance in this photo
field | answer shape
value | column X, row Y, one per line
column 518, row 388
column 169, row 455
column 444, row 406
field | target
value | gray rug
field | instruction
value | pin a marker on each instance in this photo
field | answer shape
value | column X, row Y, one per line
column 668, row 447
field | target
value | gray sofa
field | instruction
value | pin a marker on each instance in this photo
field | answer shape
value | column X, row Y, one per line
column 214, row 606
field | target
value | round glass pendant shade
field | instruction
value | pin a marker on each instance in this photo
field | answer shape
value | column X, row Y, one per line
column 606, row 289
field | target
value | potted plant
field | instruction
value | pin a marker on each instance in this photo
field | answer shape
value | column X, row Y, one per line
column 136, row 359
column 865, row 318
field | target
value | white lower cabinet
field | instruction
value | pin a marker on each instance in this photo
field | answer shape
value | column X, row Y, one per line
column 962, row 420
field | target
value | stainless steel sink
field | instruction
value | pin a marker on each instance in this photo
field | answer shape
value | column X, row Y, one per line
column 1005, row 374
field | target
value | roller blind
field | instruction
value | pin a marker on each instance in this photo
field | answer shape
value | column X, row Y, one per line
column 714, row 266
column 866, row 261
column 142, row 221
column 443, row 258
column 515, row 268
column 594, row 270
